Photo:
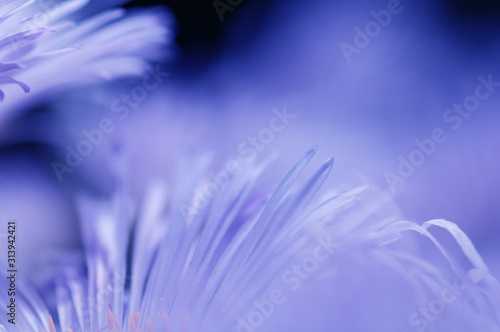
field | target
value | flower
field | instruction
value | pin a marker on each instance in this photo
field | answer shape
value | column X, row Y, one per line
column 153, row 267
column 224, row 253
column 44, row 46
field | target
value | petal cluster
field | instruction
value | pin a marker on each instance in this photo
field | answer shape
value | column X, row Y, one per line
column 155, row 266
column 48, row 45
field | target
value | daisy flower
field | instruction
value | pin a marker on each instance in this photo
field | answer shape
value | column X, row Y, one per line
column 48, row 45
column 154, row 266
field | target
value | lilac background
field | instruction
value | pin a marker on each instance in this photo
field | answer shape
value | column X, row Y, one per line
column 286, row 53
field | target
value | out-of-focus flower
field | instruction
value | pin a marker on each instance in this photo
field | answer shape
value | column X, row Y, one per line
column 160, row 267
column 47, row 45
column 372, row 110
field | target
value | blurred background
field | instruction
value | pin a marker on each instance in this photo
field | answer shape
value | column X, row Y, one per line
column 363, row 98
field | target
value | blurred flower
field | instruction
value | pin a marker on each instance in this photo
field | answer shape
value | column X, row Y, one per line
column 373, row 110
column 154, row 267
column 45, row 46
column 216, row 263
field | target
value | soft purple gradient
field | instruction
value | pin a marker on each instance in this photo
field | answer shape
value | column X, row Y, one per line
column 365, row 113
